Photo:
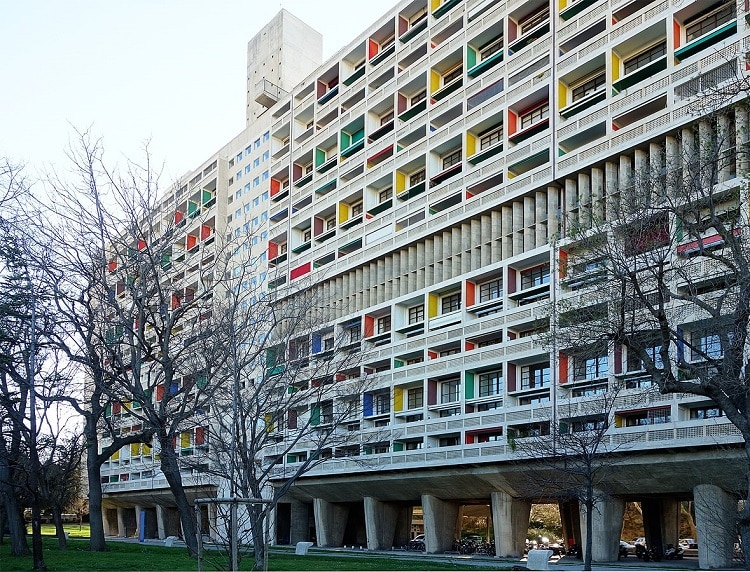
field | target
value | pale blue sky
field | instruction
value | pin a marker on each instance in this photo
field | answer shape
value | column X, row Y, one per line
column 172, row 71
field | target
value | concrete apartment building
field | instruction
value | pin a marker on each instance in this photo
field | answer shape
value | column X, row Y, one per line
column 422, row 178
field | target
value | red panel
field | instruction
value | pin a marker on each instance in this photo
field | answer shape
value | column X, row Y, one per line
column 369, row 326
column 676, row 36
column 192, row 241
column 275, row 186
column 116, row 407
column 562, row 368
column 470, row 288
column 469, row 439
column 468, row 346
column 273, row 250
column 372, row 48
column 175, row 301
column 431, row 392
column 563, row 268
column 206, row 231
column 200, row 435
column 511, row 377
column 511, row 281
column 403, row 25
column 618, row 359
column 141, row 245
column 178, row 217
column 159, row 392
column 112, row 266
column 300, row 271
column 512, row 122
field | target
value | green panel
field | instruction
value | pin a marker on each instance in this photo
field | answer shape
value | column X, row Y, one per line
column 320, row 157
column 192, row 208
column 577, row 107
column 398, row 447
column 486, row 154
column 315, row 415
column 469, row 385
column 575, row 8
column 483, row 66
column 471, row 57
column 353, row 148
column 202, row 381
column 397, row 363
column 207, row 196
column 346, row 139
column 413, row 110
column 358, row 135
column 355, row 76
column 444, row 7
column 640, row 74
column 108, row 410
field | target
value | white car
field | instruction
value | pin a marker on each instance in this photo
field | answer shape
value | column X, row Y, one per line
column 686, row 543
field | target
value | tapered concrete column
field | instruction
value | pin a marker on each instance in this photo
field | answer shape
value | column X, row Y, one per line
column 138, row 531
column 510, row 521
column 161, row 526
column 105, row 522
column 715, row 516
column 300, row 522
column 607, row 525
column 439, row 523
column 570, row 516
column 402, row 533
column 380, row 522
column 330, row 522
column 121, row 527
column 661, row 519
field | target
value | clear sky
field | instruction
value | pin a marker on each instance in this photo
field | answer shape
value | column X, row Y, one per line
column 168, row 71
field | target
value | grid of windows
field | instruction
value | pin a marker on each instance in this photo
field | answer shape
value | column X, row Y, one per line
column 491, row 290
column 385, row 194
column 491, row 383
column 453, row 74
column 416, row 314
column 535, row 115
column 414, row 397
column 648, row 417
column 704, row 23
column 491, row 49
column 536, row 276
column 594, row 83
column 452, row 158
column 416, row 177
column 589, row 368
column 451, row 303
column 490, row 138
column 384, row 324
column 645, row 57
column 706, row 345
column 449, row 391
column 535, row 376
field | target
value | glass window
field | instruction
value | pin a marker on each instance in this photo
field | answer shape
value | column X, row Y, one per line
column 416, row 314
column 416, row 177
column 535, row 376
column 491, row 49
column 645, row 57
column 490, row 138
column 257, row 143
column 704, row 23
column 357, row 209
column 381, row 403
column 708, row 412
column 649, row 417
column 536, row 276
column 535, row 115
column 385, row 194
column 452, row 158
column 418, row 97
column 453, row 74
column 266, row 135
column 384, row 324
column 593, row 83
column 266, row 155
column 534, row 19
column 256, row 163
column 589, row 368
column 414, row 397
column 451, row 303
column 491, row 383
column 707, row 345
column 449, row 391
column 491, row 290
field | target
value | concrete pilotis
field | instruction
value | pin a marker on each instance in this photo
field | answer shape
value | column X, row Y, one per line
column 715, row 519
column 161, row 518
column 121, row 528
column 510, row 519
column 607, row 525
column 570, row 517
column 380, row 523
column 300, row 522
column 439, row 523
column 330, row 522
column 661, row 522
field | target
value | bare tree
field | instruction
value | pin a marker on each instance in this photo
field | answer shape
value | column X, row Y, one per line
column 666, row 247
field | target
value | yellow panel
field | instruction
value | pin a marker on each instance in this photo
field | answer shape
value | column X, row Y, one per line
column 146, row 449
column 398, row 398
column 562, row 5
column 615, row 67
column 343, row 212
column 400, row 182
column 435, row 79
column 432, row 305
column 116, row 455
column 185, row 439
column 562, row 95
column 435, row 4
column 135, row 449
column 471, row 144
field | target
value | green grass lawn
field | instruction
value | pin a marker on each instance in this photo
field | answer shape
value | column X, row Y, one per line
column 123, row 556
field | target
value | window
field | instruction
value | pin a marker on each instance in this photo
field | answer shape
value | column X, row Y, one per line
column 256, row 181
column 413, row 445
column 654, row 353
column 449, row 391
column 451, row 441
column 266, row 155
column 645, row 57
column 387, row 117
column 414, row 397
column 452, row 158
column 535, row 376
column 422, row 95
column 354, row 334
column 490, row 437
column 357, row 209
column 450, row 412
column 416, row 177
column 257, row 143
column 256, row 163
column 490, row 138
column 535, row 115
column 385, row 194
column 534, row 19
column 491, row 290
column 491, row 383
column 384, row 325
column 256, row 201
column 330, row 223
column 307, row 235
column 282, row 248
column 381, row 403
column 704, row 23
column 416, row 314
column 453, row 74
column 708, row 412
column 584, row 425
column 592, row 83
column 491, row 49
column 589, row 368
column 266, row 135
column 706, row 346
column 239, row 157
column 327, row 343
column 450, row 303
column 536, row 276
column 489, row 405
column 648, row 417
column 248, row 150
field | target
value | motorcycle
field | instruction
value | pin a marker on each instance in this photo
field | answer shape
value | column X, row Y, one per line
column 651, row 555
column 673, row 552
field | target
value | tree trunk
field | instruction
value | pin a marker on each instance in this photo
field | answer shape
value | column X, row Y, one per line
column 587, row 550
column 259, row 538
column 62, row 542
column 743, row 523
column 13, row 511
column 171, row 469
column 93, row 472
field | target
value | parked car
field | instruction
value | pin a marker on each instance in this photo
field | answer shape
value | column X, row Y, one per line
column 626, row 548
column 688, row 543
